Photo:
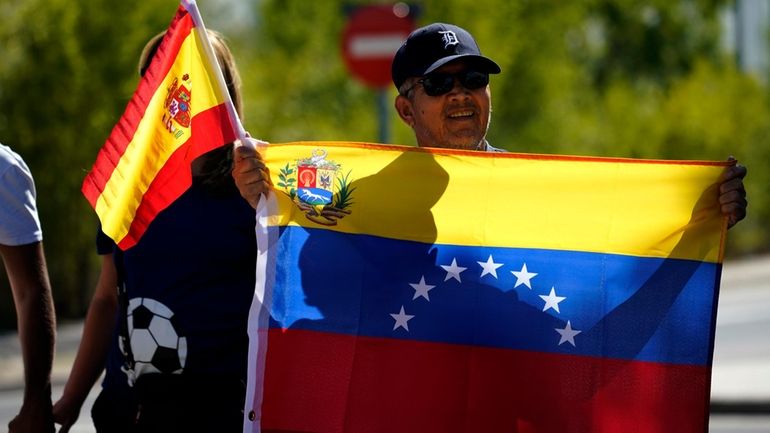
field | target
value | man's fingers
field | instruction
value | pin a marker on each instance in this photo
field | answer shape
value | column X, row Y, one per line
column 733, row 197
column 244, row 152
column 734, row 172
column 734, row 213
column 732, row 186
column 266, row 175
column 250, row 173
column 733, row 208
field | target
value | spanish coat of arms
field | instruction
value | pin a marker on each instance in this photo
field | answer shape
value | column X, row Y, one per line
column 177, row 105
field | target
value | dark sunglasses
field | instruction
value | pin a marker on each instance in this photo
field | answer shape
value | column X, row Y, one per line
column 438, row 83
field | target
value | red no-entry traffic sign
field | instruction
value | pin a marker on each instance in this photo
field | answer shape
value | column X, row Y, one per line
column 371, row 37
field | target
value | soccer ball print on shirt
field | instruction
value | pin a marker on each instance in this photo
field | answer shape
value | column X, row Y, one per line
column 156, row 345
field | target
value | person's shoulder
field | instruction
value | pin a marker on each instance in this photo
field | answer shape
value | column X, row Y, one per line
column 15, row 175
column 6, row 153
column 19, row 221
column 9, row 159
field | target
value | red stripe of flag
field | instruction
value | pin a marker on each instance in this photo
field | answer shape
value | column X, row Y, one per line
column 337, row 383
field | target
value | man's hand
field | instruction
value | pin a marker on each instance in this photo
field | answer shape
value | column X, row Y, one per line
column 732, row 194
column 250, row 172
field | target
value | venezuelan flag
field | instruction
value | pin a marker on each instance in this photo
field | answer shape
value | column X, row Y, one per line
column 424, row 290
column 176, row 114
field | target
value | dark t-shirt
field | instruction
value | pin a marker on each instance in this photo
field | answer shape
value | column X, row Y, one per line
column 189, row 285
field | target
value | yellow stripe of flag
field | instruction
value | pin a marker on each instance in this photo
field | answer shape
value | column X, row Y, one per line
column 618, row 206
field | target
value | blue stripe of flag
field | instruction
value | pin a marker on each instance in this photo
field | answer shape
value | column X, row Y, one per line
column 624, row 307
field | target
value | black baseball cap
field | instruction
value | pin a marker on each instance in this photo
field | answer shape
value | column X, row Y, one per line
column 430, row 47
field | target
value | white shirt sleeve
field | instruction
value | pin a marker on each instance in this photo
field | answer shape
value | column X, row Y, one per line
column 19, row 221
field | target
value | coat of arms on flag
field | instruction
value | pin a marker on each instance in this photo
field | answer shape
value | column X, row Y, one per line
column 318, row 187
column 177, row 105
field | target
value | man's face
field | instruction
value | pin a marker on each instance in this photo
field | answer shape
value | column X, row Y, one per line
column 458, row 119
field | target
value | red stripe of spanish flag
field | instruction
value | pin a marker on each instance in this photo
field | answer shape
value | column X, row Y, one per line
column 176, row 114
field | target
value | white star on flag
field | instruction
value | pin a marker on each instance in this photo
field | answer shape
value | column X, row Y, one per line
column 523, row 276
column 567, row 334
column 489, row 267
column 552, row 301
column 453, row 271
column 402, row 319
column 421, row 289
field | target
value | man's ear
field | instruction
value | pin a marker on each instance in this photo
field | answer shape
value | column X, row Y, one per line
column 405, row 110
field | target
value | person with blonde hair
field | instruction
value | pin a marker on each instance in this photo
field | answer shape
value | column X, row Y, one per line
column 168, row 316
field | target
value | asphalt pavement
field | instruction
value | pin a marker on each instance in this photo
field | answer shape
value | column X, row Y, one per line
column 740, row 391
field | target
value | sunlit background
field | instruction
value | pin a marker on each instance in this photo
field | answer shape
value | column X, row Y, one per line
column 679, row 79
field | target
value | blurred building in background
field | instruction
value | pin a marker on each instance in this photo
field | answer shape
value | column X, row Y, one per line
column 747, row 34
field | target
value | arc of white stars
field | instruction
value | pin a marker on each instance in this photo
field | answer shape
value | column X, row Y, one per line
column 402, row 319
column 453, row 271
column 567, row 334
column 523, row 277
column 489, row 267
column 552, row 301
column 421, row 289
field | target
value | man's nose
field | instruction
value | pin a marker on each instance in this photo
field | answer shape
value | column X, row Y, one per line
column 458, row 88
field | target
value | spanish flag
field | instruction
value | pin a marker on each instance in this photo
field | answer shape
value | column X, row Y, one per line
column 428, row 290
column 177, row 113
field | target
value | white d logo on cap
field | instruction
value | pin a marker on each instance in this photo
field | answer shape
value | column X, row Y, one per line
column 449, row 38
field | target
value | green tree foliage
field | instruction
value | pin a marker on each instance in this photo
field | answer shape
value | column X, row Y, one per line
column 68, row 69
column 655, row 40
column 615, row 78
column 295, row 80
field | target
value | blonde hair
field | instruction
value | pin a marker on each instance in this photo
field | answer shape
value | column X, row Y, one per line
column 224, row 57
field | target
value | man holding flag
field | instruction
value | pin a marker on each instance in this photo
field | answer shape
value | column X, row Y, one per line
column 356, row 380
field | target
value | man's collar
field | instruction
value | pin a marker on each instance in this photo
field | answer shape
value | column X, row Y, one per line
column 489, row 148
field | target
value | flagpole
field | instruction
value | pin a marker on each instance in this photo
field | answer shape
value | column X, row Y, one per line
column 235, row 120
